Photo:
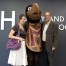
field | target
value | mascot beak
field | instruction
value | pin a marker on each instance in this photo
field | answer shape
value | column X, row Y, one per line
column 36, row 5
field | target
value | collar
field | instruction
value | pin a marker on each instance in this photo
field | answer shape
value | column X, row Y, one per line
column 48, row 23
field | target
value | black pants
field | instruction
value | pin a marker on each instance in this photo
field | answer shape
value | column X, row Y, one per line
column 51, row 58
column 44, row 56
column 33, row 58
column 47, row 58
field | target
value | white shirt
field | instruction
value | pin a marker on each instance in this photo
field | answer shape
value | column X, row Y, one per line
column 44, row 31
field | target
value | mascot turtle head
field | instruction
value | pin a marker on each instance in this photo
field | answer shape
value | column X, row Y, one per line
column 33, row 13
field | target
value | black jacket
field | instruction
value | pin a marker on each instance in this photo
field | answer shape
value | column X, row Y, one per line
column 51, row 35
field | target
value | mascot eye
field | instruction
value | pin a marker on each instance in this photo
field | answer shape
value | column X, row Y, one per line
column 29, row 8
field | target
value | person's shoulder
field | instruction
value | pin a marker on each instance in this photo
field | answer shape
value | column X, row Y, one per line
column 15, row 27
column 54, row 23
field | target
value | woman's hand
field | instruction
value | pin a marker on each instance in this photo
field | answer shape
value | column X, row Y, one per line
column 53, row 48
column 19, row 38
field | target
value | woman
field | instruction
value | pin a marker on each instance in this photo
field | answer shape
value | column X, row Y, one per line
column 18, row 57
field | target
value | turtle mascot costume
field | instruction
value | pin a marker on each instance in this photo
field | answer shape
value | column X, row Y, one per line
column 33, row 35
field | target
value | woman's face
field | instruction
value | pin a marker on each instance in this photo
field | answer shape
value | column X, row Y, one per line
column 23, row 20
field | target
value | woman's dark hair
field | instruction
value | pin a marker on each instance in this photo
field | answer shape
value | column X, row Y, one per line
column 20, row 16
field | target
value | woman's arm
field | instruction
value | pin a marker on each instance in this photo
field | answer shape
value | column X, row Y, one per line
column 11, row 35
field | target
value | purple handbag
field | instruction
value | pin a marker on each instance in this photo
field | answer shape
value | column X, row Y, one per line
column 14, row 44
